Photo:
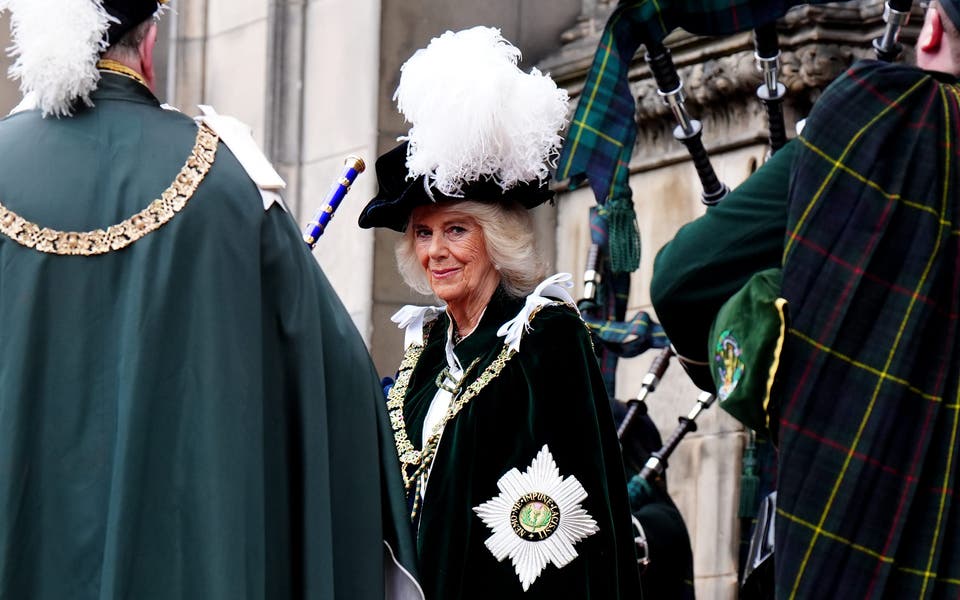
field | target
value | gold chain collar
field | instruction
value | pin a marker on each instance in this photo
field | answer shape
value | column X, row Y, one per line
column 121, row 235
column 113, row 66
column 414, row 463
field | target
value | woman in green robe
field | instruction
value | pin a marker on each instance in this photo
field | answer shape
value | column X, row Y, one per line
column 512, row 468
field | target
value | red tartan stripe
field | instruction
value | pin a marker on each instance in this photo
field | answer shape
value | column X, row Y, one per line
column 915, row 464
column 832, row 321
column 879, row 556
column 869, row 368
column 810, row 244
column 845, row 450
column 885, row 100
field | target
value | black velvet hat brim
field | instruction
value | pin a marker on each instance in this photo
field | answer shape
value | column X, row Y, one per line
column 398, row 196
column 129, row 14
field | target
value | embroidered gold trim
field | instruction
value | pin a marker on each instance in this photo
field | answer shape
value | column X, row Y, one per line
column 121, row 235
column 108, row 64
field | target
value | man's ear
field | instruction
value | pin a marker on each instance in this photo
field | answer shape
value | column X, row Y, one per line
column 145, row 50
column 931, row 35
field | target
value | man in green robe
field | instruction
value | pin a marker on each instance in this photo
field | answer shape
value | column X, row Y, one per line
column 186, row 409
column 861, row 212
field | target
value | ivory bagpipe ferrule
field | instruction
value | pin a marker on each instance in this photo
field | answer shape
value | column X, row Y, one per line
column 353, row 166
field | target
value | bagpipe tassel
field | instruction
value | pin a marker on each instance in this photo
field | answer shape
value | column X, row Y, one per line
column 623, row 245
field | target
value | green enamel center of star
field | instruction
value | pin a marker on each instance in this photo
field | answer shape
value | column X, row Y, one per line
column 535, row 517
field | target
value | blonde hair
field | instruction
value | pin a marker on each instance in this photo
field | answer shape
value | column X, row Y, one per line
column 510, row 243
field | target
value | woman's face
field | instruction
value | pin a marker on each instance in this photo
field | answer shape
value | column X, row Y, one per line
column 451, row 249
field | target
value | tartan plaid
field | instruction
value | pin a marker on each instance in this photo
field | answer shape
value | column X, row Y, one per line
column 870, row 393
column 606, row 319
column 602, row 133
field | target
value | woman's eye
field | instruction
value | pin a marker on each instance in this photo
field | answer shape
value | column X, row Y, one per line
column 421, row 234
column 457, row 230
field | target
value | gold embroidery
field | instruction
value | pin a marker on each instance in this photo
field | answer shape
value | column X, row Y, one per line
column 107, row 64
column 121, row 235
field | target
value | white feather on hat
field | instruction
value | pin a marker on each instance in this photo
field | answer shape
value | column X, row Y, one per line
column 56, row 44
column 475, row 115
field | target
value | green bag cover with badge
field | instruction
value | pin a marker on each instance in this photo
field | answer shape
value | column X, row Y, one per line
column 745, row 345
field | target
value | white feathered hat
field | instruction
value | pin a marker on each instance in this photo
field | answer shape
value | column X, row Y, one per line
column 481, row 129
column 56, row 45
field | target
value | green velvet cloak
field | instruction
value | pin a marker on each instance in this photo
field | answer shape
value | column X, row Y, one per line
column 194, row 416
column 550, row 393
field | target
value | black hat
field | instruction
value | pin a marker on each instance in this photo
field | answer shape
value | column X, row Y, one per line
column 128, row 14
column 480, row 129
column 398, row 195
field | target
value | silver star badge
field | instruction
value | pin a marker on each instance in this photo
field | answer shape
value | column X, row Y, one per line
column 537, row 518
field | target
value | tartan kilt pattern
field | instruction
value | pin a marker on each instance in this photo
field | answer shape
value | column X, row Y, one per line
column 869, row 394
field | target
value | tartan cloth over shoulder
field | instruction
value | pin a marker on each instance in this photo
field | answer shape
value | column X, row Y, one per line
column 869, row 398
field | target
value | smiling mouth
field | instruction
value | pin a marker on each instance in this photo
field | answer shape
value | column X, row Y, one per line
column 442, row 273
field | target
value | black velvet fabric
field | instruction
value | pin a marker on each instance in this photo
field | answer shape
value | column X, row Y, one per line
column 550, row 393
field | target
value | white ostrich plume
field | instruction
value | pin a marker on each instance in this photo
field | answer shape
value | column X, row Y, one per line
column 475, row 115
column 56, row 44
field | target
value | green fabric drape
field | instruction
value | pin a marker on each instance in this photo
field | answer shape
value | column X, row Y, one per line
column 194, row 416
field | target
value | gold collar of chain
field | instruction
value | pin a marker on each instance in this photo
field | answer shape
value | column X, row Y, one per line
column 419, row 460
column 121, row 235
column 113, row 66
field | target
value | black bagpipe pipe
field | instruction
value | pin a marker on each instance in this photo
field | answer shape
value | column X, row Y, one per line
column 638, row 406
column 591, row 278
column 353, row 166
column 895, row 14
column 771, row 92
column 688, row 131
column 657, row 462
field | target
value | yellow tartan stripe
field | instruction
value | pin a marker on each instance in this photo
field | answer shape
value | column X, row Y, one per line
column 864, row 550
column 865, row 367
column 866, row 181
column 953, row 433
column 893, row 350
column 598, row 133
column 593, row 94
column 947, row 580
column 823, row 186
column 819, row 530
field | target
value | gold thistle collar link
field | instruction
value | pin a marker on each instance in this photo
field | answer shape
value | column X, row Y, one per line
column 414, row 463
column 121, row 235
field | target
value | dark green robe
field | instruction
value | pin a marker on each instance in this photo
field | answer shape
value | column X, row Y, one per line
column 194, row 416
column 550, row 393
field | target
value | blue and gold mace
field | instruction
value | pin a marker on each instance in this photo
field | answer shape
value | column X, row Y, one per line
column 353, row 166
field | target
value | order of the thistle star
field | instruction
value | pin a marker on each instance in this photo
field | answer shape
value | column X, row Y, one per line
column 534, row 516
